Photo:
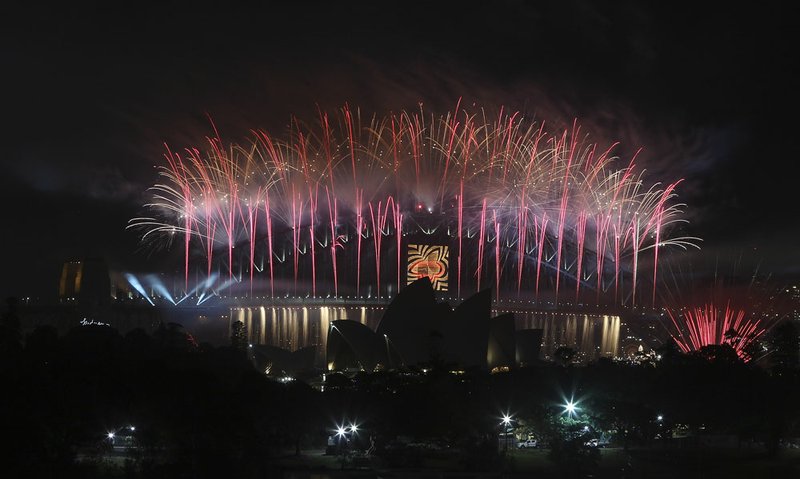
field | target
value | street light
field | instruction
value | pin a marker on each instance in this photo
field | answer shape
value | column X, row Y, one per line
column 506, row 423
column 341, row 432
column 570, row 407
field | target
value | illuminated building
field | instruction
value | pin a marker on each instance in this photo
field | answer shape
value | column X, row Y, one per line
column 85, row 282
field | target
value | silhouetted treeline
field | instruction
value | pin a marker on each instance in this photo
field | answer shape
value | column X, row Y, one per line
column 197, row 410
column 205, row 411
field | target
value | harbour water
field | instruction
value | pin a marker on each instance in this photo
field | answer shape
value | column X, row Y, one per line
column 294, row 327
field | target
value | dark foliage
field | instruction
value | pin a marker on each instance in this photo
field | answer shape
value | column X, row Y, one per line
column 204, row 411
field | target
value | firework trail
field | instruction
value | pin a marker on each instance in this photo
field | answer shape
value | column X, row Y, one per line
column 722, row 311
column 545, row 210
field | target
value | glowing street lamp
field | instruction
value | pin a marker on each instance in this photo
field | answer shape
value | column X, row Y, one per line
column 570, row 408
column 341, row 432
column 506, row 422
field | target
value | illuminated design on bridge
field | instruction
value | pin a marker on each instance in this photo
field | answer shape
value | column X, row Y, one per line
column 431, row 261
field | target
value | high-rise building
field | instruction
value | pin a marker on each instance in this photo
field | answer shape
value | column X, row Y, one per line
column 85, row 283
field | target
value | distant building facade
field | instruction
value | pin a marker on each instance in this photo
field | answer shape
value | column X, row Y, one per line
column 85, row 282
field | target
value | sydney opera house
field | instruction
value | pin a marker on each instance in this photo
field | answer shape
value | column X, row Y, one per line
column 417, row 331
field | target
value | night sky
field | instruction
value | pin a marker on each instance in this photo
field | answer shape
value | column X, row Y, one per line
column 90, row 95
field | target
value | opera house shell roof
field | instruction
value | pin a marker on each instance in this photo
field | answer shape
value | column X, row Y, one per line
column 417, row 330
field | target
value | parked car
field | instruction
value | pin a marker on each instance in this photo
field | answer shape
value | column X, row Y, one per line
column 530, row 443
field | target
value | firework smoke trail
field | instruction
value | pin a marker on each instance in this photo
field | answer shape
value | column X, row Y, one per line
column 296, row 225
column 359, row 229
column 656, row 222
column 481, row 240
column 228, row 171
column 453, row 126
column 545, row 194
column 311, row 185
column 496, row 254
column 522, row 229
column 312, row 242
column 326, row 146
column 581, row 234
column 378, row 224
column 271, row 156
column 349, row 118
column 178, row 170
column 634, row 231
column 459, row 233
column 334, row 239
column 270, row 253
column 398, row 233
column 601, row 234
column 540, row 238
column 252, row 215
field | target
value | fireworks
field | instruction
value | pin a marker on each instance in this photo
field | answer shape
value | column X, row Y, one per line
column 328, row 208
column 712, row 324
column 734, row 312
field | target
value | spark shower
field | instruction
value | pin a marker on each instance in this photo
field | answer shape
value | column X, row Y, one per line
column 329, row 208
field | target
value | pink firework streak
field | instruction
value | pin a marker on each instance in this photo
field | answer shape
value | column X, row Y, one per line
column 710, row 324
column 737, row 309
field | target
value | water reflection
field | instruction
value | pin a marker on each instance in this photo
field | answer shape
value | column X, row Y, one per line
column 295, row 327
column 591, row 335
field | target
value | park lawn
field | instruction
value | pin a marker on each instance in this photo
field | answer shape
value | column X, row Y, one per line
column 654, row 463
column 538, row 461
column 716, row 463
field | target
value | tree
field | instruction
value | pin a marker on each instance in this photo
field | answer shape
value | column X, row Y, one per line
column 41, row 345
column 786, row 348
column 173, row 337
column 719, row 354
column 564, row 355
column 569, row 449
column 10, row 335
column 239, row 335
